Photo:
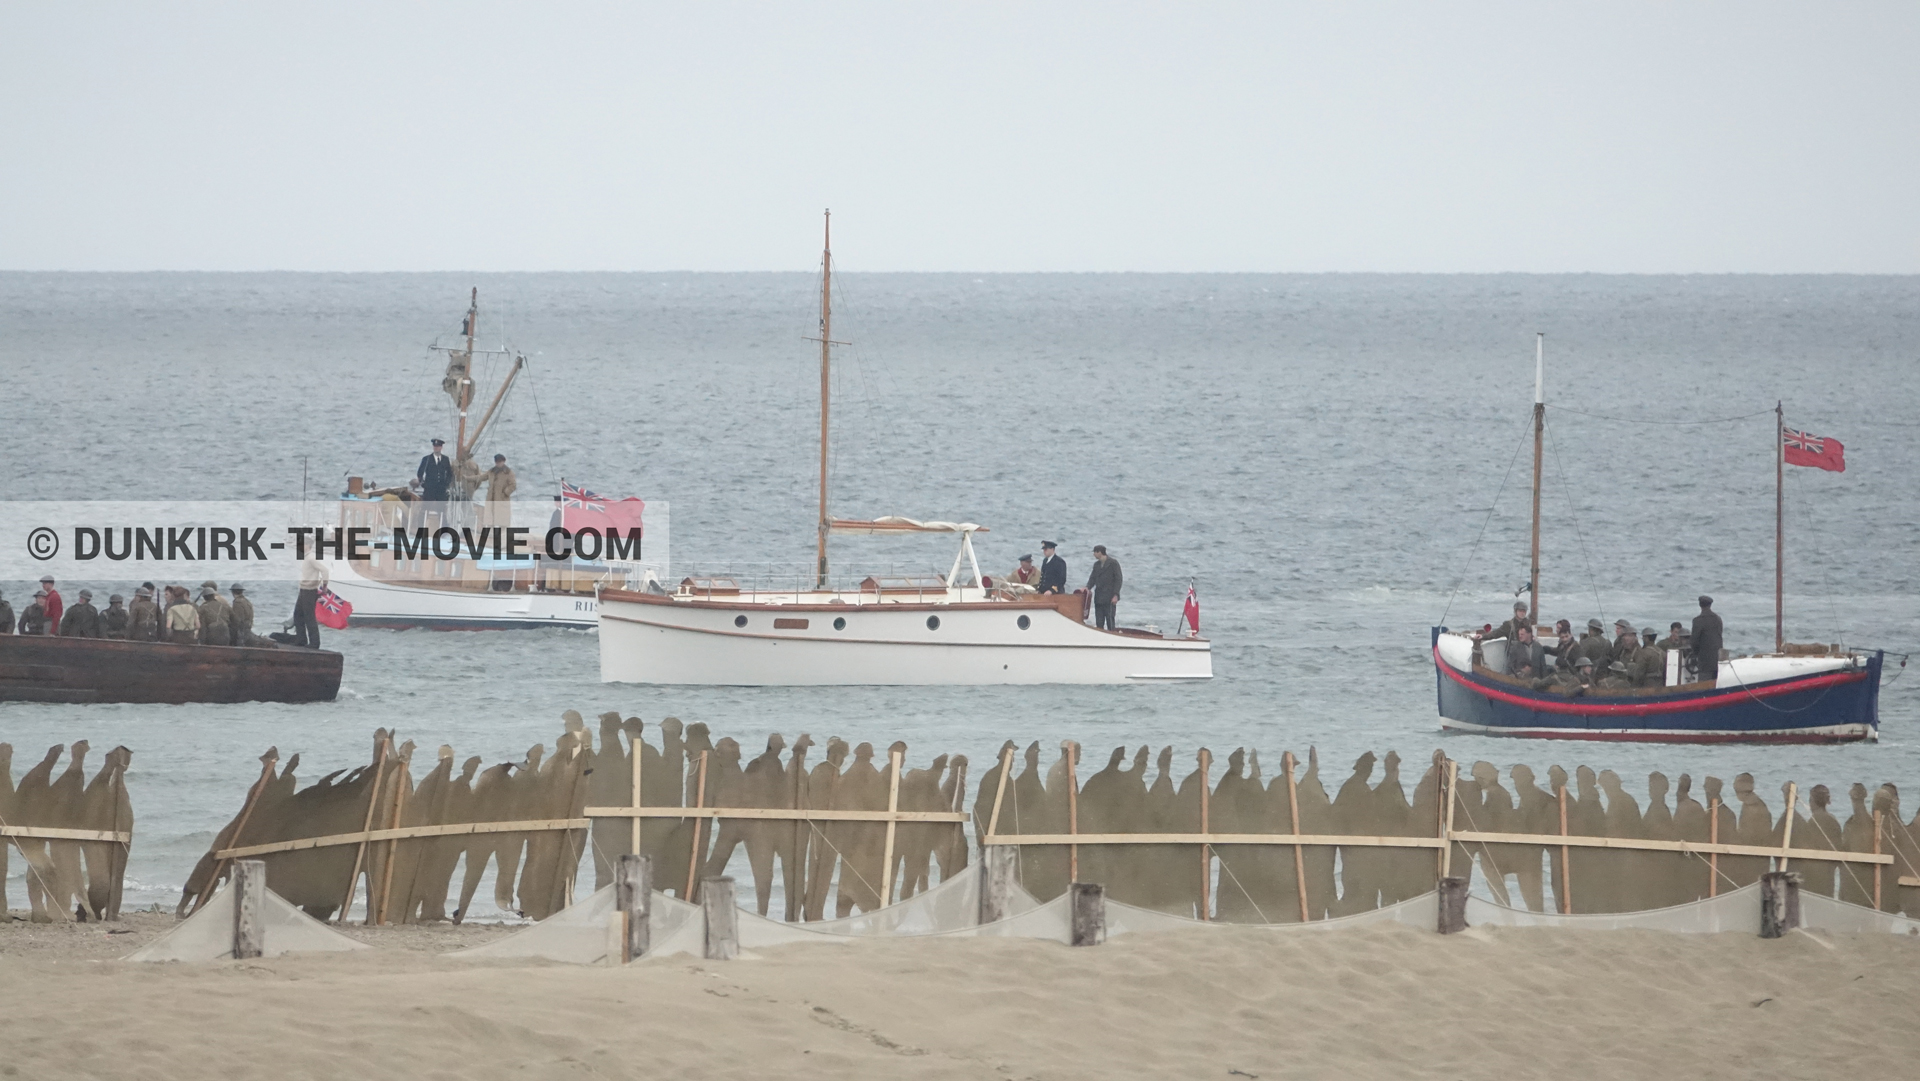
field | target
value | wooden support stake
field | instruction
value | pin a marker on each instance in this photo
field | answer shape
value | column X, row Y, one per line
column 699, row 800
column 360, row 854
column 1446, row 820
column 1713, row 837
column 1206, row 851
column 269, row 760
column 999, row 793
column 1453, row 905
column 1287, row 764
column 1786, row 836
column 393, row 850
column 996, row 882
column 895, row 759
column 633, row 899
column 249, row 905
column 723, row 923
column 1566, row 862
column 1877, row 815
column 1073, row 809
column 1088, row 906
column 635, row 746
column 1779, row 903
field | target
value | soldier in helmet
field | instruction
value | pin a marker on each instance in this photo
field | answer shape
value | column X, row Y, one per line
column 240, row 617
column 113, row 621
column 1648, row 667
column 6, row 615
column 1624, row 641
column 143, row 617
column 1612, row 678
column 33, row 618
column 83, row 619
column 214, row 612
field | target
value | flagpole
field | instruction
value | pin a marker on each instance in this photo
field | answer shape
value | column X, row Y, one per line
column 1779, row 526
column 826, row 386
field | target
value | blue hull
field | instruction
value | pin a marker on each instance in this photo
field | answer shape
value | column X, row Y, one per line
column 1835, row 707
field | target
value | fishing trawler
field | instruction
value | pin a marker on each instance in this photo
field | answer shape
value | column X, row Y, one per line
column 1796, row 694
column 483, row 589
column 810, row 628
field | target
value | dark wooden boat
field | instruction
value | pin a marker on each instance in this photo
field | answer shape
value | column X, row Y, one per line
column 41, row 669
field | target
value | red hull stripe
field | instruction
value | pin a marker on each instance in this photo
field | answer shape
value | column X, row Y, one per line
column 1687, row 705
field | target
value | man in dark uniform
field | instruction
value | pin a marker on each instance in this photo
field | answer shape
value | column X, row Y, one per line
column 1706, row 641
column 1104, row 583
column 1676, row 637
column 1053, row 569
column 435, row 474
column 6, row 615
column 240, row 618
column 1594, row 645
column 1564, row 647
column 82, row 620
column 1624, row 641
column 1526, row 658
column 113, row 621
column 33, row 618
column 1510, row 630
column 143, row 618
column 1648, row 668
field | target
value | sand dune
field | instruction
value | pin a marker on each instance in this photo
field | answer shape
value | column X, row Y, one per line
column 1389, row 1002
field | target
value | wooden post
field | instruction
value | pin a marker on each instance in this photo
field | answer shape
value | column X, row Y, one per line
column 999, row 794
column 393, row 852
column 895, row 759
column 1088, row 905
column 1206, row 851
column 249, row 904
column 1566, row 861
column 360, row 853
column 1446, row 819
column 1786, row 835
column 635, row 746
column 1877, row 815
column 723, row 924
column 1453, row 905
column 1779, row 903
column 1713, row 837
column 1073, row 808
column 996, row 882
column 633, row 898
column 1287, row 764
column 699, row 800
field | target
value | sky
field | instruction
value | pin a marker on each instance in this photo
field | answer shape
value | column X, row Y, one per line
column 1613, row 137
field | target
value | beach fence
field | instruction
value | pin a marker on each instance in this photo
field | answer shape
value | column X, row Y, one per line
column 862, row 830
column 71, row 833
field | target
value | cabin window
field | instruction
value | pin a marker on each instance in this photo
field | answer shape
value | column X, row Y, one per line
column 1025, row 622
column 933, row 623
column 839, row 623
column 790, row 624
column 739, row 621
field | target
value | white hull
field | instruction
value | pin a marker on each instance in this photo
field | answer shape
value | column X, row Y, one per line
column 391, row 604
column 662, row 641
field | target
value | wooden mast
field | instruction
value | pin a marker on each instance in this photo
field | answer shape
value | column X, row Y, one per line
column 1539, row 429
column 826, row 396
column 1779, row 527
column 466, row 384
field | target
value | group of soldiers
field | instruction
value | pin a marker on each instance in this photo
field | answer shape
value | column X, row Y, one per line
column 213, row 620
column 1629, row 659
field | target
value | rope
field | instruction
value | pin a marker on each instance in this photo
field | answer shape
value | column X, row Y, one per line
column 1629, row 420
column 542, row 417
column 1468, row 565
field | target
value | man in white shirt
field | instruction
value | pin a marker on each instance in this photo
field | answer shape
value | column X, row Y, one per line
column 306, row 629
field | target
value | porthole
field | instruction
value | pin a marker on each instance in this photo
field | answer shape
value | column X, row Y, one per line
column 1025, row 623
column 739, row 621
column 933, row 623
column 839, row 623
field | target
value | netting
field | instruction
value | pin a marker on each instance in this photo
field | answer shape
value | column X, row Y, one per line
column 1737, row 910
column 577, row 934
column 207, row 935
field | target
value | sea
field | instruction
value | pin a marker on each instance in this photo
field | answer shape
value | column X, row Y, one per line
column 1334, row 464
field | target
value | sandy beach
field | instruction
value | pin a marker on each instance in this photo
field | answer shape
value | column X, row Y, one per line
column 1387, row 1002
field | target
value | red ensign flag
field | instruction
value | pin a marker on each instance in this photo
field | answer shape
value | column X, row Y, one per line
column 1818, row 451
column 1191, row 614
column 332, row 610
